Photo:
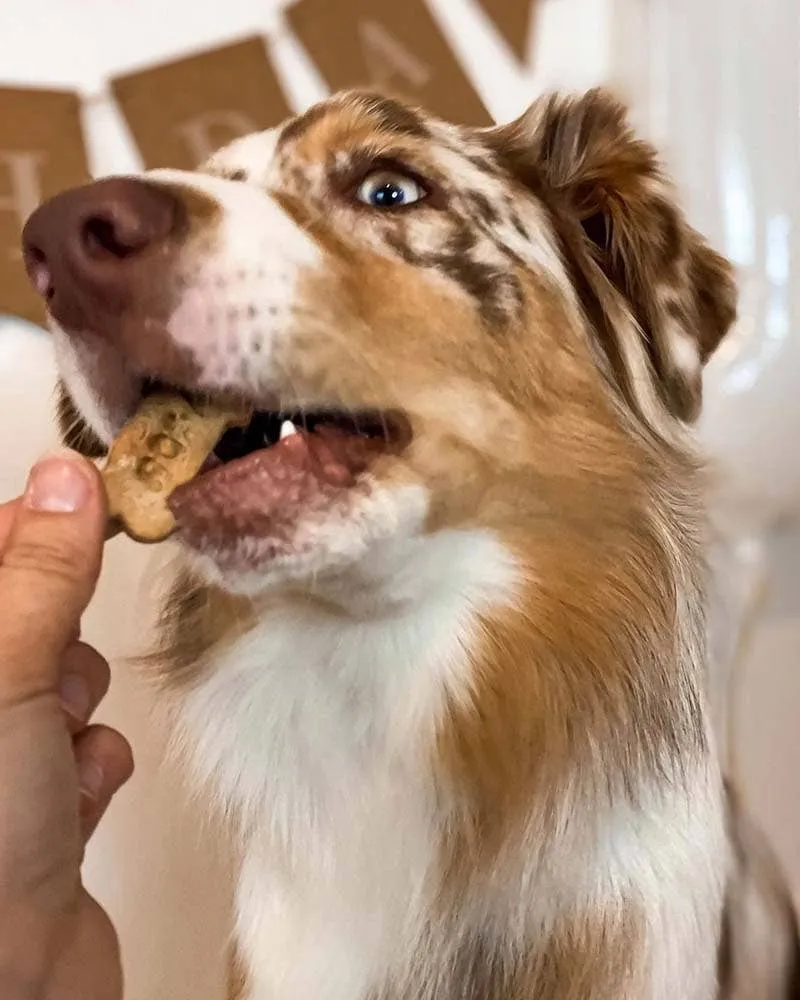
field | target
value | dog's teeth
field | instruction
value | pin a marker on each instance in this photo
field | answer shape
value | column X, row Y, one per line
column 287, row 429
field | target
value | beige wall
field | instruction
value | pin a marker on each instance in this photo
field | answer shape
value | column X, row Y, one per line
column 767, row 699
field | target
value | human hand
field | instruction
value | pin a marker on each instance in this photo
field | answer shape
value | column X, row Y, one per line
column 57, row 773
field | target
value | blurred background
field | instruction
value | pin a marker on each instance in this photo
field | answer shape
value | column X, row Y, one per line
column 715, row 82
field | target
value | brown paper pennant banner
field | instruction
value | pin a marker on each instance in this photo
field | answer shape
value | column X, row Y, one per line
column 512, row 18
column 394, row 47
column 41, row 153
column 180, row 112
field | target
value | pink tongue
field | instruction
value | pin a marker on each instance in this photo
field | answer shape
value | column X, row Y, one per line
column 266, row 493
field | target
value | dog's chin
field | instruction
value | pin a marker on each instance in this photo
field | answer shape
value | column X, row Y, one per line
column 345, row 548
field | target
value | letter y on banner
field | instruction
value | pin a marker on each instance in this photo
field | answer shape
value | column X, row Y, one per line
column 395, row 48
column 41, row 153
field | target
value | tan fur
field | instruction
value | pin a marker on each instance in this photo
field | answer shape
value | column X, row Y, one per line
column 194, row 620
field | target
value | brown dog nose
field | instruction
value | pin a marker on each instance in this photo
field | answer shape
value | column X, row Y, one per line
column 84, row 249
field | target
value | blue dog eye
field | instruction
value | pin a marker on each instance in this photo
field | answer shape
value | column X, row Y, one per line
column 386, row 189
column 386, row 195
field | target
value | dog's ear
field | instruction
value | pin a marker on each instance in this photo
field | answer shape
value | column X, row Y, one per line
column 638, row 252
column 75, row 432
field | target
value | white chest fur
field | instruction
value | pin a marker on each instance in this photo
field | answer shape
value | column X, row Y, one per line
column 315, row 730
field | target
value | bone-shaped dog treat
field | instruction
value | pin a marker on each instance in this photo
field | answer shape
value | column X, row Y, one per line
column 161, row 447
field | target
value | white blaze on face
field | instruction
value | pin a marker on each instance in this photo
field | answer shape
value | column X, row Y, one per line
column 240, row 282
column 252, row 155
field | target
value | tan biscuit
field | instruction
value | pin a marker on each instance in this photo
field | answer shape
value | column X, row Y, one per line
column 162, row 446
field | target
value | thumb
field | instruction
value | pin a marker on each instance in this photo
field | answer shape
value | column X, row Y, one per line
column 48, row 571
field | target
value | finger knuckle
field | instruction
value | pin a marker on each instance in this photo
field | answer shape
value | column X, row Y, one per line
column 45, row 558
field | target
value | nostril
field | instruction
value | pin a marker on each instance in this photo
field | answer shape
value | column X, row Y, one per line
column 102, row 234
column 123, row 218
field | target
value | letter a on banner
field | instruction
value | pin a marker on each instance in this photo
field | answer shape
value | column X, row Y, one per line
column 41, row 153
column 180, row 112
column 396, row 48
column 512, row 18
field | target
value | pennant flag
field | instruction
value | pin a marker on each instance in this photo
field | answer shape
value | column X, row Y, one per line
column 512, row 18
column 180, row 112
column 395, row 48
column 41, row 152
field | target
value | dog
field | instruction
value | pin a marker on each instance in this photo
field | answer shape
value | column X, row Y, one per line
column 437, row 646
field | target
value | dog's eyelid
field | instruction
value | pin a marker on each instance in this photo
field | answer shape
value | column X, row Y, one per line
column 362, row 166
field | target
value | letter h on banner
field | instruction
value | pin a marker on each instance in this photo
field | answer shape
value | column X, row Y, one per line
column 41, row 152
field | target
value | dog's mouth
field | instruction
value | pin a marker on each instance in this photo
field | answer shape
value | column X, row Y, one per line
column 282, row 469
column 358, row 432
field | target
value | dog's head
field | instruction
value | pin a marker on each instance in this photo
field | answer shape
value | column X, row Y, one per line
column 452, row 319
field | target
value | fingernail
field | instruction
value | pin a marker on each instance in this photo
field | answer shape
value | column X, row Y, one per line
column 58, row 484
column 75, row 696
column 90, row 779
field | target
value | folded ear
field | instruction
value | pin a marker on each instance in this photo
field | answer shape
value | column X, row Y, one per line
column 661, row 289
column 75, row 432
